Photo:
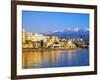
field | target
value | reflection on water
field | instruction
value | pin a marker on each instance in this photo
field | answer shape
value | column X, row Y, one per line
column 55, row 58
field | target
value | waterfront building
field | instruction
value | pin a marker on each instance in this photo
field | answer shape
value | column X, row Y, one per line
column 39, row 37
column 70, row 45
column 27, row 46
column 52, row 40
column 39, row 40
column 29, row 36
column 24, row 36
column 55, row 45
column 62, row 43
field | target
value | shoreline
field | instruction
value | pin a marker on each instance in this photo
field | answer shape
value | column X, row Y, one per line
column 41, row 49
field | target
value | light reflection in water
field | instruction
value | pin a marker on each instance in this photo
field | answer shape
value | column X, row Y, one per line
column 55, row 58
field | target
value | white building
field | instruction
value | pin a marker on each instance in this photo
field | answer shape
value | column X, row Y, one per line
column 70, row 45
column 39, row 37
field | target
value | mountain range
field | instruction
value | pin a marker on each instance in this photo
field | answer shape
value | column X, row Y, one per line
column 70, row 33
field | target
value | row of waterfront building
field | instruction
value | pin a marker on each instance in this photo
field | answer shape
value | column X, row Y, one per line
column 35, row 40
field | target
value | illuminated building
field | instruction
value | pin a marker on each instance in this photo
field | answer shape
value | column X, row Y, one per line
column 70, row 45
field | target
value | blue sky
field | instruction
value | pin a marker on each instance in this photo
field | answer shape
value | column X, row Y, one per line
column 41, row 22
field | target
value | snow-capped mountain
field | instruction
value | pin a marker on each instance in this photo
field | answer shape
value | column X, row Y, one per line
column 71, row 33
column 76, row 30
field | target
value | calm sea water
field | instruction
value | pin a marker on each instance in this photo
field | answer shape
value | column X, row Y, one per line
column 55, row 58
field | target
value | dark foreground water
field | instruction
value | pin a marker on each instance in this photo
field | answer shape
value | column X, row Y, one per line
column 55, row 58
